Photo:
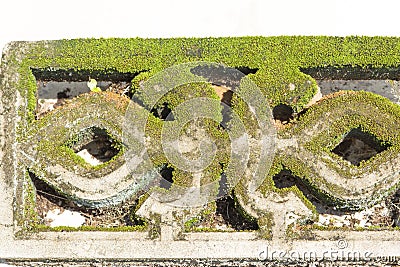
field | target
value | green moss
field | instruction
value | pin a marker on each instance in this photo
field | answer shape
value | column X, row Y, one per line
column 341, row 114
column 155, row 226
column 297, row 168
column 266, row 222
column 54, row 133
column 314, row 183
column 273, row 76
column 347, row 228
column 44, row 228
column 279, row 61
column 30, row 217
column 206, row 215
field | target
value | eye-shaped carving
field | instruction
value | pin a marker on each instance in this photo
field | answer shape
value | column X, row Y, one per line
column 330, row 137
column 91, row 124
column 323, row 149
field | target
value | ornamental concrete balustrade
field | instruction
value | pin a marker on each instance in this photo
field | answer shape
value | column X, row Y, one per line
column 226, row 154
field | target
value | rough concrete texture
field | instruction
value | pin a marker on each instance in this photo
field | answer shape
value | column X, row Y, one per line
column 172, row 246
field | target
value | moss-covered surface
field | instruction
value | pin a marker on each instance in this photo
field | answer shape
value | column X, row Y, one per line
column 277, row 58
column 57, row 131
column 317, row 132
column 323, row 126
column 279, row 62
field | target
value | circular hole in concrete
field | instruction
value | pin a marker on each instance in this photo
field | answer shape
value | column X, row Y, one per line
column 282, row 112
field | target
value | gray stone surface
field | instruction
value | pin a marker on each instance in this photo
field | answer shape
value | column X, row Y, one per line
column 386, row 88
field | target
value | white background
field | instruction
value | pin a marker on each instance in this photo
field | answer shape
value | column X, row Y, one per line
column 52, row 19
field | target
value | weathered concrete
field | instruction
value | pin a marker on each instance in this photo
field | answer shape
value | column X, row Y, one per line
column 172, row 243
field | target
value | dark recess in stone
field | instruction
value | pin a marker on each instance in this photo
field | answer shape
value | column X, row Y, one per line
column 352, row 73
column 163, row 112
column 358, row 145
column 247, row 70
column 42, row 188
column 230, row 210
column 167, row 174
column 282, row 112
column 223, row 186
column 232, row 214
column 227, row 97
column 223, row 76
column 285, row 179
column 393, row 203
column 47, row 196
column 83, row 75
column 97, row 143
